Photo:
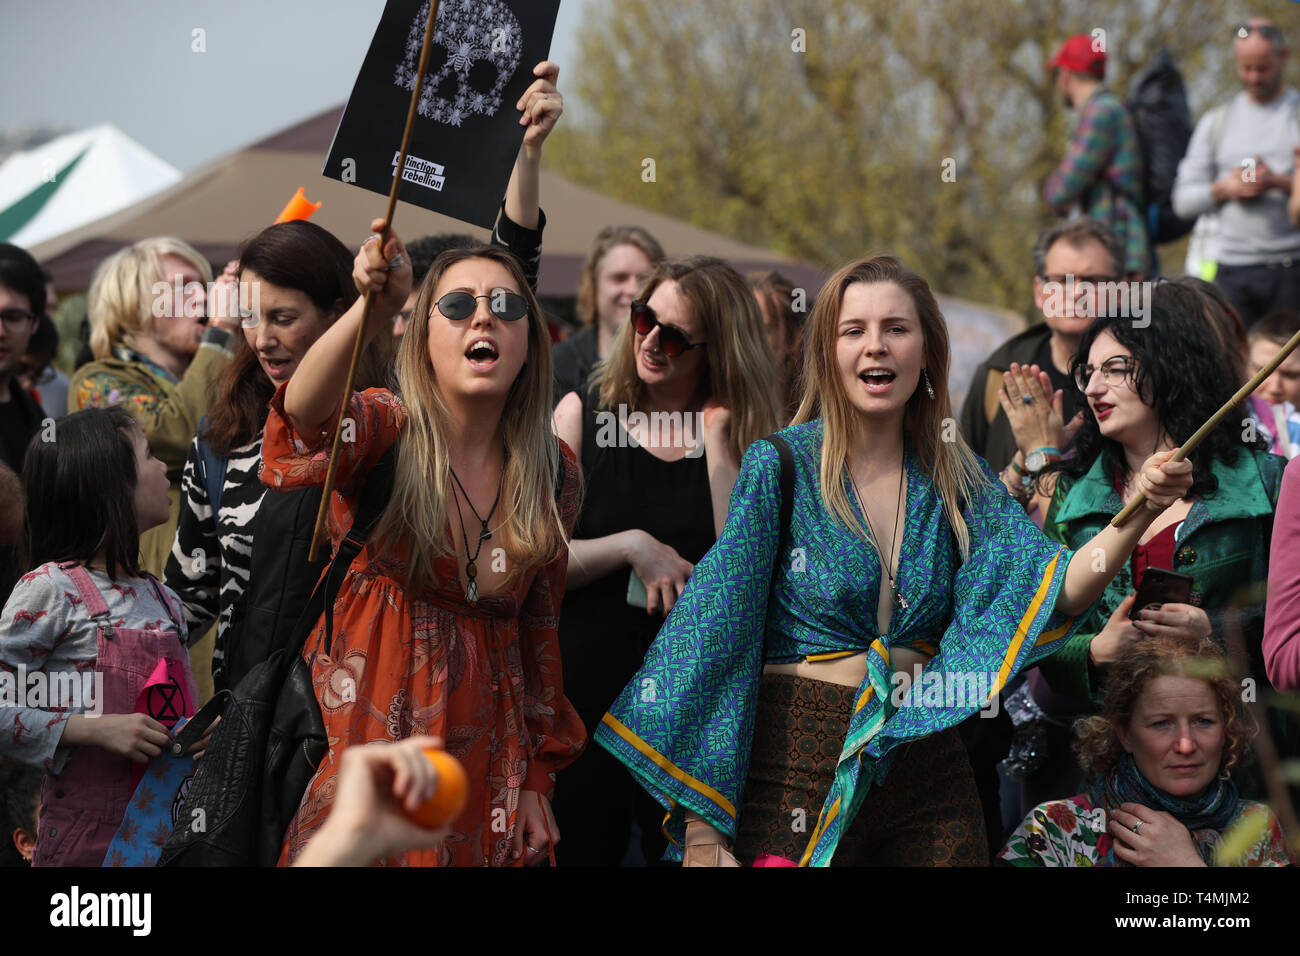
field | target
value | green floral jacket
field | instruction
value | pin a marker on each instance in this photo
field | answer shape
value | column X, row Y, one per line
column 1223, row 544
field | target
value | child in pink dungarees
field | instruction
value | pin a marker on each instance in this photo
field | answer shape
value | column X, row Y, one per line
column 100, row 631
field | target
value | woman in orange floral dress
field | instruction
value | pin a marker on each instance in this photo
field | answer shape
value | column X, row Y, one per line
column 446, row 622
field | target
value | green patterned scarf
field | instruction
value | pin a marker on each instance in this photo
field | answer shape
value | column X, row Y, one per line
column 1211, row 809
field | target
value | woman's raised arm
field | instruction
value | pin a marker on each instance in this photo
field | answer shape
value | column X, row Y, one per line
column 1094, row 565
column 312, row 398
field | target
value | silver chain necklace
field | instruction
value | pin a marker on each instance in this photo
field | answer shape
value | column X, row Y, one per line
column 471, row 565
column 884, row 563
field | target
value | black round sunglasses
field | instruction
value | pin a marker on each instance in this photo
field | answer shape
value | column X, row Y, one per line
column 507, row 306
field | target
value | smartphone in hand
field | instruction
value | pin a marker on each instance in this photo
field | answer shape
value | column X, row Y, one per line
column 1161, row 586
column 636, row 594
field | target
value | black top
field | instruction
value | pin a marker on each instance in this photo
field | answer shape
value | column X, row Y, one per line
column 574, row 358
column 603, row 639
column 20, row 419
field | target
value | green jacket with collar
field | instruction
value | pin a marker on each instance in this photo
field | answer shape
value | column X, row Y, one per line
column 1223, row 544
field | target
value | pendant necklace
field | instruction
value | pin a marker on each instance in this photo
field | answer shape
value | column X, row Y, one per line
column 885, row 565
column 471, row 566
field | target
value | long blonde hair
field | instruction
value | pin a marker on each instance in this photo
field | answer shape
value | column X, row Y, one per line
column 120, row 302
column 929, row 422
column 740, row 372
column 532, row 532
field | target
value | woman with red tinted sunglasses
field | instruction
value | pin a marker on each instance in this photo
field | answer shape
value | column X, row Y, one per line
column 688, row 386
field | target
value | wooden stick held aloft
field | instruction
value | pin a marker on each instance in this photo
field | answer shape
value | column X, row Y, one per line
column 322, row 515
column 1190, row 445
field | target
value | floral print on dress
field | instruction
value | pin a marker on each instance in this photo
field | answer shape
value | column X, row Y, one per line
column 1062, row 816
column 484, row 678
column 1073, row 832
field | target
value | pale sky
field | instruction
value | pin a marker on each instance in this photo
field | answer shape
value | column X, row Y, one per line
column 268, row 64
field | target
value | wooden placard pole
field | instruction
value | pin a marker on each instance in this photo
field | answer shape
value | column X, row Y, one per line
column 1190, row 445
column 322, row 515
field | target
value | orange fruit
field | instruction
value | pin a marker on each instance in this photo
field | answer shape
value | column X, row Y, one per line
column 448, row 799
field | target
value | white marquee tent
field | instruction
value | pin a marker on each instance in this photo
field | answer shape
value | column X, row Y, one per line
column 73, row 180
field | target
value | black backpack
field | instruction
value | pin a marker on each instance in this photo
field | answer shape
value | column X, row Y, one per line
column 280, row 581
column 271, row 739
column 1158, row 104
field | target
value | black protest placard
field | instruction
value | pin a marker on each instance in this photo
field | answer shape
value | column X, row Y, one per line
column 466, row 132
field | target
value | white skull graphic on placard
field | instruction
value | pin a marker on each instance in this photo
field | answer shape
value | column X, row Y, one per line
column 482, row 37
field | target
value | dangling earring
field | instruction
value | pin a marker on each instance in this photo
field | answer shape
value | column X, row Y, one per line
column 925, row 374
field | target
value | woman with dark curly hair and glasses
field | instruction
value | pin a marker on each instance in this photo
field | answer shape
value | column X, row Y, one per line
column 1160, row 760
column 1148, row 389
column 1149, row 384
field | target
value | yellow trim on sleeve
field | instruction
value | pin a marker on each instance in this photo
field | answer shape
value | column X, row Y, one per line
column 1048, row 636
column 659, row 760
column 1022, row 629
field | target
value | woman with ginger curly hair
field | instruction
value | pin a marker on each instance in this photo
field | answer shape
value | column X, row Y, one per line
column 1159, row 759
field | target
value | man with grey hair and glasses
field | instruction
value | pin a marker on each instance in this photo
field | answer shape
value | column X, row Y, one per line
column 1075, row 265
column 1239, row 164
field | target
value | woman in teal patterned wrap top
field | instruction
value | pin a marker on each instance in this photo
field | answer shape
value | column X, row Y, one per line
column 976, row 592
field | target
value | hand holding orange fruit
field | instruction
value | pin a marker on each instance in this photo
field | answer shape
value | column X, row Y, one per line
column 448, row 799
column 391, row 798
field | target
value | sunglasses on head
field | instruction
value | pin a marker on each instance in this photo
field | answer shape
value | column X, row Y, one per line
column 507, row 306
column 673, row 341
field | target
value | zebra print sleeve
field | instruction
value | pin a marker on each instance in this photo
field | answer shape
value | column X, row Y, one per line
column 194, row 568
column 524, row 243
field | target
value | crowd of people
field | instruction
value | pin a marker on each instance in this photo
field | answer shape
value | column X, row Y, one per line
column 723, row 579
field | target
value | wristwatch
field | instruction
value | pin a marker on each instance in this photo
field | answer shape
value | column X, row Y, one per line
column 1040, row 458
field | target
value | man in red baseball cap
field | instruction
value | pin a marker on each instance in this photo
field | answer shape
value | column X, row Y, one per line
column 1081, row 54
column 1101, row 173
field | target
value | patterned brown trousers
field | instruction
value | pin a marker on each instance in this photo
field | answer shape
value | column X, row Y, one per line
column 927, row 813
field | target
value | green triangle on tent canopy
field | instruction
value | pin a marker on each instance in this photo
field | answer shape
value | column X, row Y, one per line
column 20, row 213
